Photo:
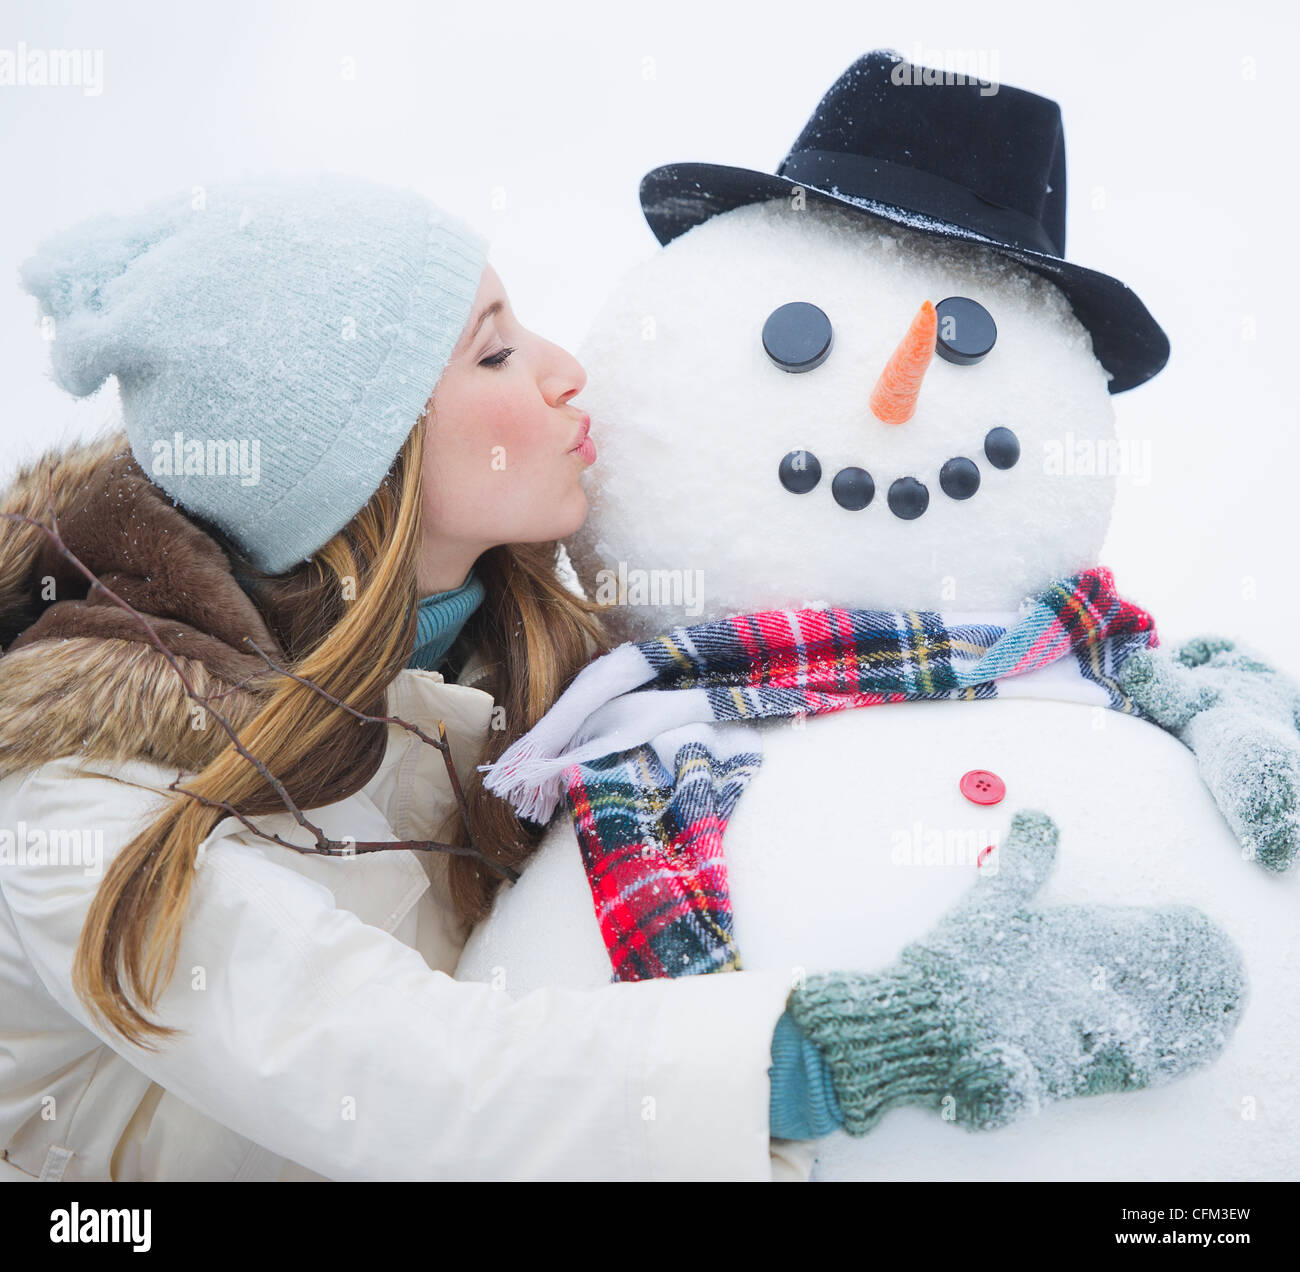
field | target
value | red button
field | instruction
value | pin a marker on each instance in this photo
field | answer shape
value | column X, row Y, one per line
column 982, row 787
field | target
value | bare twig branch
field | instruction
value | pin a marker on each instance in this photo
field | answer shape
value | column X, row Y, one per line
column 336, row 848
column 441, row 744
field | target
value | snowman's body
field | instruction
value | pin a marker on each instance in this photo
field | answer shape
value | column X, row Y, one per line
column 854, row 837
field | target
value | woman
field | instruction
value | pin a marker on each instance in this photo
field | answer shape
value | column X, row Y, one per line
column 187, row 994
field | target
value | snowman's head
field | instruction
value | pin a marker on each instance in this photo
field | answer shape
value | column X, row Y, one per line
column 705, row 498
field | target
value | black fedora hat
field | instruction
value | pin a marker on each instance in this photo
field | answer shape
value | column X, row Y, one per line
column 947, row 155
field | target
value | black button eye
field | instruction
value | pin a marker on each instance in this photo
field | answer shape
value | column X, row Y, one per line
column 797, row 336
column 966, row 330
column 800, row 472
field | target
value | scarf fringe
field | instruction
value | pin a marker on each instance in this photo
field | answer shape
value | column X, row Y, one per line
column 529, row 773
column 533, row 783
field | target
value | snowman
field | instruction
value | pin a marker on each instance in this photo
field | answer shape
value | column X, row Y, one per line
column 870, row 383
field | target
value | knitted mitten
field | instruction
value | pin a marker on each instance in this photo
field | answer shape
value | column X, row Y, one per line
column 1004, row 1007
column 1239, row 716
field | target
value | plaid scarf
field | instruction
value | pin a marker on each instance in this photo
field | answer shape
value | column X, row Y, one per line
column 643, row 745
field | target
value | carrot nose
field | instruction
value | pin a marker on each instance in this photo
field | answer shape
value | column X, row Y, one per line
column 893, row 400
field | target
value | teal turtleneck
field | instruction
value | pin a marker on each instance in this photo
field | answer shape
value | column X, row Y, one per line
column 439, row 619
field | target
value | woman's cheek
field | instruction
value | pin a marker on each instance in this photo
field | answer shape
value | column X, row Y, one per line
column 527, row 458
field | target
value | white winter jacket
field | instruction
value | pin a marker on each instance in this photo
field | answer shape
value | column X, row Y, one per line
column 324, row 1034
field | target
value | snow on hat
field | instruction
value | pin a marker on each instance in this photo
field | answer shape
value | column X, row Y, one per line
column 274, row 342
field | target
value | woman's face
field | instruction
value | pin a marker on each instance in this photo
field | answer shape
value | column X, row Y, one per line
column 502, row 452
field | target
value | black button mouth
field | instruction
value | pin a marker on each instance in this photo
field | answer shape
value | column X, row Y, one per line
column 908, row 497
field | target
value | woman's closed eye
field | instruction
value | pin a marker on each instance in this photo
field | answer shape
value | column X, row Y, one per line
column 497, row 359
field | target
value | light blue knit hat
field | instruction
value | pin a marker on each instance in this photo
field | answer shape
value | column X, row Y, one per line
column 274, row 341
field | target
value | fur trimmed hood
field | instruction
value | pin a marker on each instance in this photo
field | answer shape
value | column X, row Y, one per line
column 78, row 675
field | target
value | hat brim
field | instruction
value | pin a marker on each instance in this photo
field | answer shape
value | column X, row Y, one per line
column 1126, row 339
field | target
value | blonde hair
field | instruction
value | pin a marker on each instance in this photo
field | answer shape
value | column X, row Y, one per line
column 346, row 619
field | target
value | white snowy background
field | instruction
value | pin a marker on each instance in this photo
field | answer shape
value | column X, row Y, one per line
column 536, row 122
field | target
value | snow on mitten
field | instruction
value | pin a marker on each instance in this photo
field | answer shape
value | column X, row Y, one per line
column 1004, row 1007
column 1239, row 717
